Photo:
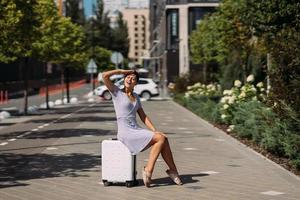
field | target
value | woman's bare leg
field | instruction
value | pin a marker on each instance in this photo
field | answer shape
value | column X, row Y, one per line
column 167, row 155
column 160, row 144
column 157, row 143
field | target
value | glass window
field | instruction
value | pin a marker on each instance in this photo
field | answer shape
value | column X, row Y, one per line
column 142, row 82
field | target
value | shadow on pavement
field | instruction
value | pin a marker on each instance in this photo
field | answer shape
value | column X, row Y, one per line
column 15, row 168
column 74, row 119
column 60, row 133
column 185, row 178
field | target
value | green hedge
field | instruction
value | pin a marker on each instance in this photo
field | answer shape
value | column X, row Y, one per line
column 205, row 107
column 255, row 121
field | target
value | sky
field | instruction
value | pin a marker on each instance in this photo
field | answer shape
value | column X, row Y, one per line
column 88, row 7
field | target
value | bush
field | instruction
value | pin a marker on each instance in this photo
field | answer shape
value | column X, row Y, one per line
column 253, row 120
column 202, row 106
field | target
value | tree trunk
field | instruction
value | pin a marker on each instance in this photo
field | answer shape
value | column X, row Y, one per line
column 26, row 79
column 68, row 84
column 62, row 82
column 47, row 86
column 204, row 72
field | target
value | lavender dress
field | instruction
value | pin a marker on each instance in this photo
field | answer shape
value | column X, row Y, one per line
column 129, row 132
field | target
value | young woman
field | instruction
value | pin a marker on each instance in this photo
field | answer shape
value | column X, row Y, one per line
column 127, row 104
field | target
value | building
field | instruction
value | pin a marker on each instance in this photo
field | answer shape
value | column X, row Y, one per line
column 172, row 22
column 138, row 30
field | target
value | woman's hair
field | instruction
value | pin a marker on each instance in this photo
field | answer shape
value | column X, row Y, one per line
column 136, row 75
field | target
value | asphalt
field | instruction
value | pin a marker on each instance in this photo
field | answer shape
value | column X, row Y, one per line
column 57, row 155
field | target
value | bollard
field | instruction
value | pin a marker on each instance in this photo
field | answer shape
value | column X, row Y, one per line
column 6, row 97
column 1, row 96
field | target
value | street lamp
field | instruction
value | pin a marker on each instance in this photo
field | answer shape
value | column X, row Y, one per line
column 93, row 19
column 162, row 81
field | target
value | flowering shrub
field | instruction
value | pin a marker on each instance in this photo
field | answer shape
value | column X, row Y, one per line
column 237, row 94
column 199, row 89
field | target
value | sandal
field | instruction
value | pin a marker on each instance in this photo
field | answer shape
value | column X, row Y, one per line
column 146, row 178
column 175, row 177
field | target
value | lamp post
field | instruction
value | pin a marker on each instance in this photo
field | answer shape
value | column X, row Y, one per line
column 93, row 18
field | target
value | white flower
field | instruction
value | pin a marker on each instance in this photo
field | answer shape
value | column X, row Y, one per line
column 186, row 95
column 225, row 106
column 242, row 95
column 197, row 85
column 231, row 100
column 254, row 98
column 189, row 87
column 223, row 99
column 269, row 87
column 260, row 85
column 229, row 130
column 225, row 92
column 253, row 89
column 231, row 127
column 223, row 116
column 262, row 89
column 237, row 83
column 250, row 78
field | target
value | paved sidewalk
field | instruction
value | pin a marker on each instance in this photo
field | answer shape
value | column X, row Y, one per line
column 213, row 165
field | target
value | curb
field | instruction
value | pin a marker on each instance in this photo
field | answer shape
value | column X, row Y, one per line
column 240, row 143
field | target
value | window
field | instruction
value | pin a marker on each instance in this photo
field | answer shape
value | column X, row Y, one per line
column 136, row 53
column 142, row 82
column 136, row 41
column 136, row 16
column 136, row 47
column 136, row 35
column 136, row 29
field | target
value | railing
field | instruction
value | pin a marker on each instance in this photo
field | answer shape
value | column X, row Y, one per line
column 174, row 2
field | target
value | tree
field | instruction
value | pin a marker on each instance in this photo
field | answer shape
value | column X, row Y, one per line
column 10, row 18
column 74, row 11
column 70, row 38
column 277, row 23
column 205, row 44
column 17, row 45
column 225, row 38
column 120, row 37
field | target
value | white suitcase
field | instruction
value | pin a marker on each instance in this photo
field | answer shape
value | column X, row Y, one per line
column 118, row 164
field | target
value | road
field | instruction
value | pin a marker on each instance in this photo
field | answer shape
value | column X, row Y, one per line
column 56, row 154
column 37, row 100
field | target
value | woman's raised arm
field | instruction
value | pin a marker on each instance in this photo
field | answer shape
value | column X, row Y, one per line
column 106, row 77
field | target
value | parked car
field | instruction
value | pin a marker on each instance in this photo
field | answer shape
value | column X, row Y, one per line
column 145, row 88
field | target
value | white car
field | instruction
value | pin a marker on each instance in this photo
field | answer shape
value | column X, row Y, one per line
column 146, row 88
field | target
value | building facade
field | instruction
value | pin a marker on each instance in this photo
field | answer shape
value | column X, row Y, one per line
column 138, row 30
column 172, row 22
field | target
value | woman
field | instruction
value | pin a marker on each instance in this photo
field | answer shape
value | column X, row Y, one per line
column 137, row 139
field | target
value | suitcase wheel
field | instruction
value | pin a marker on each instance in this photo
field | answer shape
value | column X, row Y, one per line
column 130, row 183
column 106, row 183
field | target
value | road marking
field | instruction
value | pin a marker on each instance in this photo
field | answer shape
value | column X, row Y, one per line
column 51, row 148
column 3, row 143
column 272, row 193
column 182, row 128
column 188, row 131
column 87, row 135
column 40, row 127
column 190, row 149
column 209, row 172
column 46, row 124
column 24, row 134
column 13, row 139
column 35, row 129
